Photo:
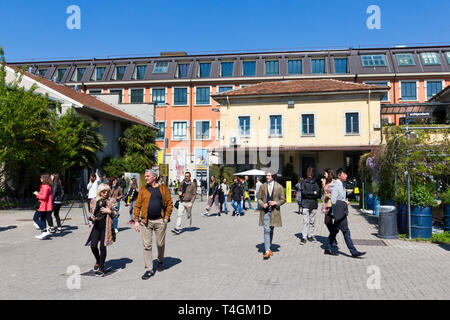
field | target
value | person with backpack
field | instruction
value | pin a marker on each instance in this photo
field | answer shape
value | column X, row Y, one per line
column 310, row 193
column 57, row 198
column 237, row 196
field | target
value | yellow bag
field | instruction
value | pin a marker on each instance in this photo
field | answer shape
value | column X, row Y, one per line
column 246, row 195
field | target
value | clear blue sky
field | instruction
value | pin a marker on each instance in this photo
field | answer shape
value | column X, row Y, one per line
column 36, row 29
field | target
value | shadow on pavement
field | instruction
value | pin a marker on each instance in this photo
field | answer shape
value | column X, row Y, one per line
column 168, row 262
column 123, row 229
column 116, row 264
column 323, row 241
column 7, row 228
column 65, row 231
column 191, row 229
column 445, row 246
column 273, row 247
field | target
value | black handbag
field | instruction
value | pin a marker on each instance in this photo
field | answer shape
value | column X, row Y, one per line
column 37, row 205
column 177, row 204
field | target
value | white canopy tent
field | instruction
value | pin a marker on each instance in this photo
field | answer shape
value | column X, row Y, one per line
column 253, row 172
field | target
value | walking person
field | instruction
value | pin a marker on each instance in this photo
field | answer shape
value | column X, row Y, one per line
column 298, row 188
column 270, row 198
column 187, row 194
column 45, row 205
column 247, row 194
column 102, row 231
column 327, row 182
column 176, row 183
column 57, row 198
column 340, row 212
column 132, row 195
column 237, row 196
column 122, row 182
column 225, row 191
column 152, row 214
column 116, row 196
column 94, row 182
column 257, row 187
column 213, row 197
column 310, row 193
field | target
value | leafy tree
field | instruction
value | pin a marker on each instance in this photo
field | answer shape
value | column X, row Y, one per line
column 139, row 145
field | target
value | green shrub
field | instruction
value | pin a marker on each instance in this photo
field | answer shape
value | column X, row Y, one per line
column 422, row 195
column 445, row 196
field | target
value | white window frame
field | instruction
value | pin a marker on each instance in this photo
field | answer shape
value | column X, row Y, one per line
column 239, row 127
column 301, row 124
column 90, row 91
column 41, row 69
column 154, row 67
column 56, row 73
column 195, row 130
column 165, row 130
column 187, row 96
column 165, row 96
column 417, row 89
column 380, row 82
column 134, row 77
column 374, row 66
column 434, row 64
column 269, row 125
column 345, row 123
column 405, row 65
column 177, row 71
column 123, row 96
column 224, row 86
column 172, row 129
column 210, row 92
column 218, row 130
column 138, row 88
column 94, row 74
column 432, row 80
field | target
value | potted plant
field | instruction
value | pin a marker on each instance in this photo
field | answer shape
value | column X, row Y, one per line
column 422, row 200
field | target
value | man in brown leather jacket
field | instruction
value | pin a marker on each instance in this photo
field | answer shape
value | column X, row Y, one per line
column 152, row 213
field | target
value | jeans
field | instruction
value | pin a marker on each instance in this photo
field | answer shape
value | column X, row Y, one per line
column 40, row 217
column 249, row 203
column 237, row 206
column 309, row 220
column 343, row 226
column 116, row 220
column 268, row 231
column 224, row 203
column 132, row 210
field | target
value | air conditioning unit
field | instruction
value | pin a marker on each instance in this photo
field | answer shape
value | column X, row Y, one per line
column 234, row 141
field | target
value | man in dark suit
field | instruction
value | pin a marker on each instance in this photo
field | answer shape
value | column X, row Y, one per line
column 340, row 212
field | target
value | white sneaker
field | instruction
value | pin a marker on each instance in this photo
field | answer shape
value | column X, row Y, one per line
column 117, row 231
column 43, row 235
column 36, row 226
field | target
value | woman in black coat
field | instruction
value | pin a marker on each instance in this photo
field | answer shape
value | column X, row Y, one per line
column 57, row 198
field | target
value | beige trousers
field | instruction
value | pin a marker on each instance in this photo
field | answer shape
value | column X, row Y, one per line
column 147, row 240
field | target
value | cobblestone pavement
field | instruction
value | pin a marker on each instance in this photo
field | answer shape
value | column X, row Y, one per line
column 220, row 258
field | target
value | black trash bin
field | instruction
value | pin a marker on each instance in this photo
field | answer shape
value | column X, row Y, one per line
column 387, row 222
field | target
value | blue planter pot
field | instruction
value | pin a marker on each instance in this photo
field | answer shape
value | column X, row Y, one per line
column 421, row 222
column 376, row 206
column 446, row 217
column 402, row 218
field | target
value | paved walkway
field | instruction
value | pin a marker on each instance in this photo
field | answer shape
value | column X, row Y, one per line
column 220, row 258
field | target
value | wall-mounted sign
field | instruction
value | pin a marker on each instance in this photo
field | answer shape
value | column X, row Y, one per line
column 418, row 115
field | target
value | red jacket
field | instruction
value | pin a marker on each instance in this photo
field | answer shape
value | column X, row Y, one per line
column 45, row 197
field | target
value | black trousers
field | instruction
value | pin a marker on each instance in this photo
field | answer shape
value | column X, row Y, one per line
column 56, row 208
column 341, row 225
column 98, row 236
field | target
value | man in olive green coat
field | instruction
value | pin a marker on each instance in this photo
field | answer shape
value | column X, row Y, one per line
column 270, row 199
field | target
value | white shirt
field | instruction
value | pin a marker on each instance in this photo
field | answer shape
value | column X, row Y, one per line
column 258, row 186
column 93, row 188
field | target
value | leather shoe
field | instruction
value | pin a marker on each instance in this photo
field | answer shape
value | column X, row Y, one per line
column 266, row 255
column 270, row 253
column 147, row 275
column 358, row 254
column 331, row 253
